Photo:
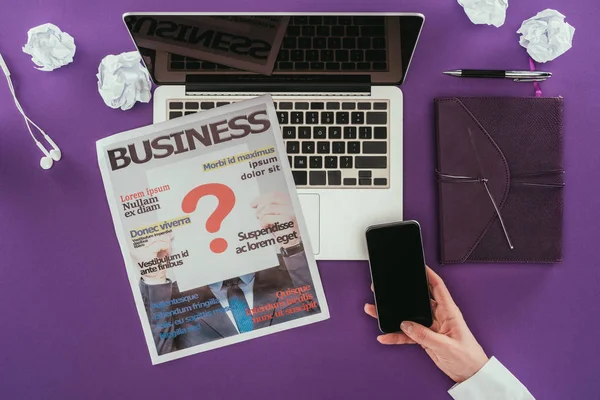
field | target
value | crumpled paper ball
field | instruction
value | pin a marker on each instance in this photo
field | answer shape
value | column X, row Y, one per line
column 546, row 36
column 49, row 47
column 123, row 80
column 490, row 12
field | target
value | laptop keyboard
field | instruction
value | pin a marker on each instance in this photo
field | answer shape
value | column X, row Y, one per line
column 319, row 43
column 330, row 144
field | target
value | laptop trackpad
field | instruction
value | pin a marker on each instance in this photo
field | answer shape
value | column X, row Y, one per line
column 311, row 209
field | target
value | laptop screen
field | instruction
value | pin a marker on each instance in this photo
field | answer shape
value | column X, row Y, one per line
column 275, row 48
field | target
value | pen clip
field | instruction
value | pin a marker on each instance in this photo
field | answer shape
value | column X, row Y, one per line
column 543, row 79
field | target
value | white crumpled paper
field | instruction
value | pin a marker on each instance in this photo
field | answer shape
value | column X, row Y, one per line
column 49, row 47
column 546, row 36
column 490, row 12
column 123, row 80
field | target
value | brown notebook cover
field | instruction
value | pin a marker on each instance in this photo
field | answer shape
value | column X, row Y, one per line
column 500, row 179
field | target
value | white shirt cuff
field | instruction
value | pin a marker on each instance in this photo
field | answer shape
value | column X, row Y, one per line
column 492, row 382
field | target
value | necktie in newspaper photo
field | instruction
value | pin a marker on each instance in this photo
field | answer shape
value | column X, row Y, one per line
column 238, row 305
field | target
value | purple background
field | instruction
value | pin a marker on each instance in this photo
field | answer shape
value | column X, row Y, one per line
column 69, row 327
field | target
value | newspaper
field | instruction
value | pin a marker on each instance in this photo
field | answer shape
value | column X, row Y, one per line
column 211, row 230
column 245, row 42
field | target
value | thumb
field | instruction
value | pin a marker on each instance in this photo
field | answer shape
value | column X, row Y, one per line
column 423, row 335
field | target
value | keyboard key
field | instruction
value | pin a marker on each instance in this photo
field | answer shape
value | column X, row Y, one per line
column 327, row 118
column 342, row 117
column 319, row 43
column 379, row 43
column 376, row 118
column 369, row 20
column 289, row 132
column 292, row 147
column 312, row 55
column 339, row 147
column 319, row 132
column 323, row 147
column 308, row 30
column 301, row 105
column 315, row 20
column 348, row 106
column 365, row 132
column 342, row 55
column 282, row 117
column 354, row 147
column 316, row 162
column 175, row 114
column 372, row 31
column 352, row 31
column 289, row 43
column 285, row 105
column 304, row 132
column 375, row 55
column 318, row 178
column 345, row 20
column 322, row 30
column 338, row 31
column 350, row 132
column 317, row 66
column 190, row 112
column 379, row 66
column 192, row 65
column 334, row 43
column 205, row 105
column 380, row 181
column 297, row 55
column 308, row 147
column 292, row 31
column 300, row 162
column 349, row 43
column 297, row 118
column 370, row 162
column 364, row 43
column 300, row 20
column 364, row 182
column 194, row 105
column 364, row 174
column 317, row 106
column 335, row 132
column 330, row 162
column 380, row 132
column 330, row 20
column 363, row 66
column 332, row 66
column 334, row 178
column 300, row 177
column 364, row 106
column 356, row 55
column 312, row 117
column 283, row 55
column 380, row 106
column 285, row 65
column 222, row 103
column 304, row 43
column 346, row 162
column 374, row 147
column 290, row 160
column 333, row 106
column 301, row 66
column 177, row 105
column 349, row 181
column 358, row 117
column 348, row 66
column 326, row 55
column 177, row 57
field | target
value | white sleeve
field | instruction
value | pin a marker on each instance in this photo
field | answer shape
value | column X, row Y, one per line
column 492, row 382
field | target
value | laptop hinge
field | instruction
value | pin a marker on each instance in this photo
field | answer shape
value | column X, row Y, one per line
column 279, row 84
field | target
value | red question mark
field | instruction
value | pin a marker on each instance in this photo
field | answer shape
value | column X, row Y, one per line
column 226, row 199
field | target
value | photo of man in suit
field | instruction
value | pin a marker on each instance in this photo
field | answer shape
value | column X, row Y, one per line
column 237, row 305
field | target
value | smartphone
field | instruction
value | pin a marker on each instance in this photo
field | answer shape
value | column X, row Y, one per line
column 399, row 276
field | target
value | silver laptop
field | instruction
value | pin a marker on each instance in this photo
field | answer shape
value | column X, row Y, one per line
column 334, row 79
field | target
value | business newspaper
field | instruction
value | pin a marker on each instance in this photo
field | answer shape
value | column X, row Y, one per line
column 211, row 230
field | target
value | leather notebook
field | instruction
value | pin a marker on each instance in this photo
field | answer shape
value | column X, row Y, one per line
column 500, row 179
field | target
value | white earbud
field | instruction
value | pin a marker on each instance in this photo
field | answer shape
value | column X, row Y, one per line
column 49, row 156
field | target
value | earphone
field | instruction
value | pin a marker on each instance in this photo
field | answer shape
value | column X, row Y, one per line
column 49, row 156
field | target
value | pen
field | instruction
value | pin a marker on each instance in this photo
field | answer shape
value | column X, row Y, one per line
column 517, row 76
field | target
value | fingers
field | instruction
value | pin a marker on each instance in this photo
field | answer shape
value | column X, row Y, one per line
column 424, row 336
column 438, row 288
column 372, row 288
column 394, row 338
column 371, row 310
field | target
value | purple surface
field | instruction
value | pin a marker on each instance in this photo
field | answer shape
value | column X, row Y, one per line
column 69, row 327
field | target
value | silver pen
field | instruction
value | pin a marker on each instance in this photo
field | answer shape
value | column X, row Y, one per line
column 517, row 76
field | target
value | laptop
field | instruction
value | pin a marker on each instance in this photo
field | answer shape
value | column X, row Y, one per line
column 334, row 80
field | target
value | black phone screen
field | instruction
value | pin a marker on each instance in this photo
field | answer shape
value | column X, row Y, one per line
column 399, row 275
